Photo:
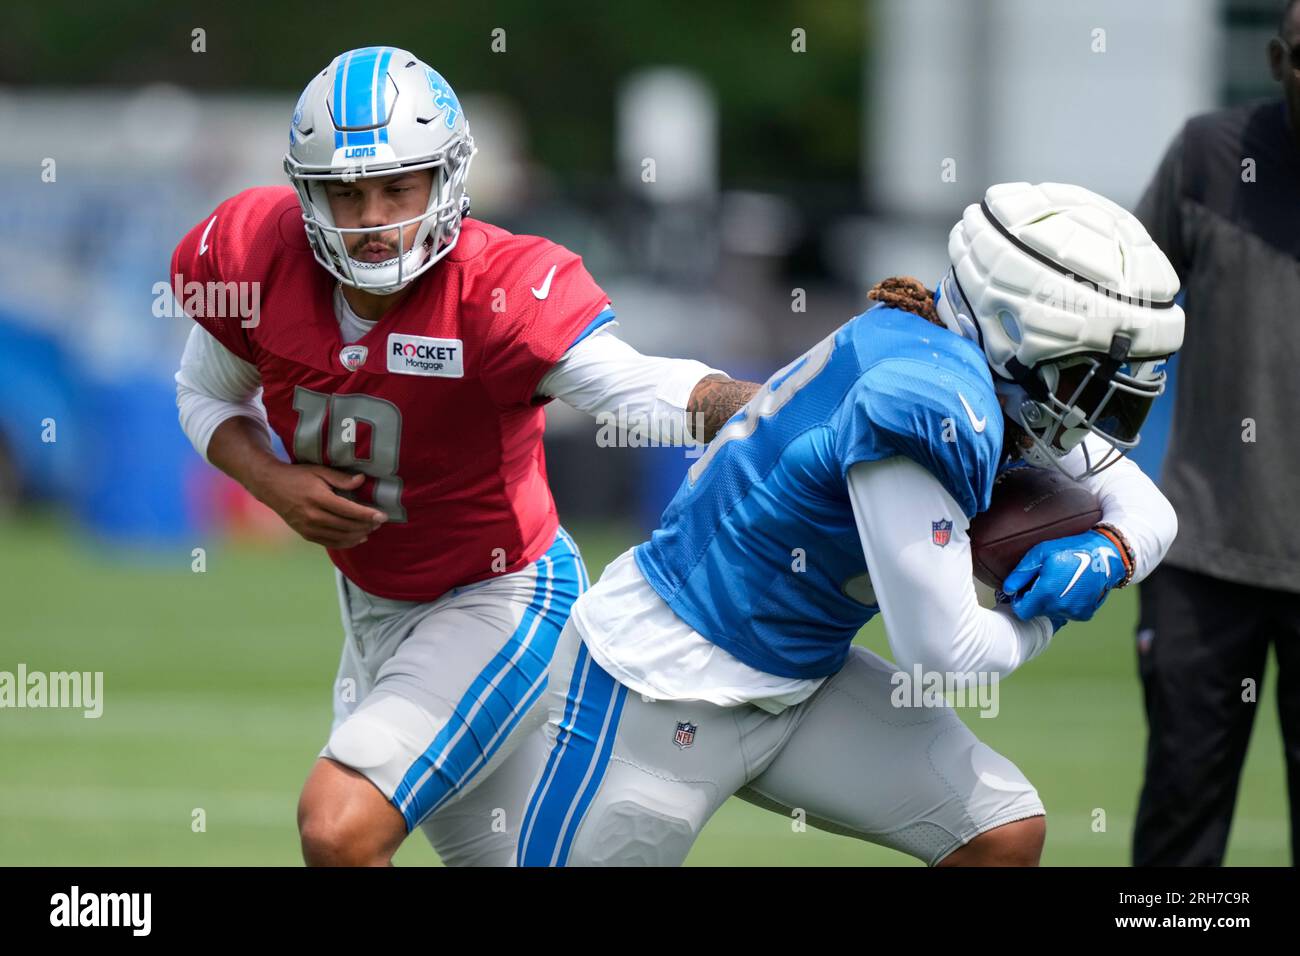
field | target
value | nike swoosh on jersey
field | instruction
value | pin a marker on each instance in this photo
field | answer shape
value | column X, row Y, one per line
column 1085, row 559
column 977, row 423
column 203, row 239
column 545, row 290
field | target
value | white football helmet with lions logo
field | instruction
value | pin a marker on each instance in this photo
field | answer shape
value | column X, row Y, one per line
column 1073, row 305
column 373, row 112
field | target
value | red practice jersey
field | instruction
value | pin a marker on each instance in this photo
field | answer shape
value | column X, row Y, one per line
column 435, row 404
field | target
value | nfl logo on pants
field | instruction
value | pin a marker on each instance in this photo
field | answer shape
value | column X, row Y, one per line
column 941, row 532
column 685, row 735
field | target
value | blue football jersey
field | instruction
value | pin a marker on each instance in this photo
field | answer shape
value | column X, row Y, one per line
column 758, row 550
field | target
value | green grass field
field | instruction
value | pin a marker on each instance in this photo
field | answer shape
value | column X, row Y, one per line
column 217, row 690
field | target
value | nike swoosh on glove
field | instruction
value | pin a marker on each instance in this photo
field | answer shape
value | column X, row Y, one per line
column 1065, row 579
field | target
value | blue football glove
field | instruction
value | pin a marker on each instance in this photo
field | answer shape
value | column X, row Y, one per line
column 1057, row 622
column 1065, row 579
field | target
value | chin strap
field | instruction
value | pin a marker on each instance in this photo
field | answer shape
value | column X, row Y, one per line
column 1023, row 376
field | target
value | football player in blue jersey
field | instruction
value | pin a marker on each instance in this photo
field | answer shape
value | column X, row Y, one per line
column 717, row 658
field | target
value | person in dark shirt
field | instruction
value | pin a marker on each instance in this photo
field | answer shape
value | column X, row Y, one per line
column 1225, row 207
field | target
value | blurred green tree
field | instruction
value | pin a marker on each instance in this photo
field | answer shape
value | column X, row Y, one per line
column 785, row 116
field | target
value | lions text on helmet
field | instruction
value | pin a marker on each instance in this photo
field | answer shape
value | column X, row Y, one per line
column 1073, row 305
column 370, row 133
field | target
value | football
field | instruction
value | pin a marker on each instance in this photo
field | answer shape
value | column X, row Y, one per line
column 1029, row 505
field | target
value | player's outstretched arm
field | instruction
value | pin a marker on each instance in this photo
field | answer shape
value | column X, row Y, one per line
column 923, row 582
column 715, row 399
column 673, row 400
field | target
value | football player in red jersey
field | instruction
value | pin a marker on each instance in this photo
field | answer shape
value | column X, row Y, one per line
column 403, row 352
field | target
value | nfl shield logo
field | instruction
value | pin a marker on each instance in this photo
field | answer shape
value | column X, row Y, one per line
column 685, row 735
column 941, row 532
column 353, row 357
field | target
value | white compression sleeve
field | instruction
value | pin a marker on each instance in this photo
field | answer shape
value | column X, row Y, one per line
column 212, row 385
column 926, row 593
column 1131, row 502
column 603, row 375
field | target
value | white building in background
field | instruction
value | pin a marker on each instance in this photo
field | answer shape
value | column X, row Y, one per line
column 960, row 94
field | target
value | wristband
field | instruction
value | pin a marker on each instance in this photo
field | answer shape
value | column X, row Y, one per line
column 1125, row 550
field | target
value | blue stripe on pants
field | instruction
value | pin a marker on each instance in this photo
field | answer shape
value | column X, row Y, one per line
column 575, row 767
column 500, row 696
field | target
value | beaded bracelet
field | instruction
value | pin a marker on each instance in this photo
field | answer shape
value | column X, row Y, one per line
column 1125, row 550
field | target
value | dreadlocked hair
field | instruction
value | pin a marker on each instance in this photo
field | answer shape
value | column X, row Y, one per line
column 908, row 294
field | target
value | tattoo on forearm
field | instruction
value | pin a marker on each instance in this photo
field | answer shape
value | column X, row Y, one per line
column 714, row 400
